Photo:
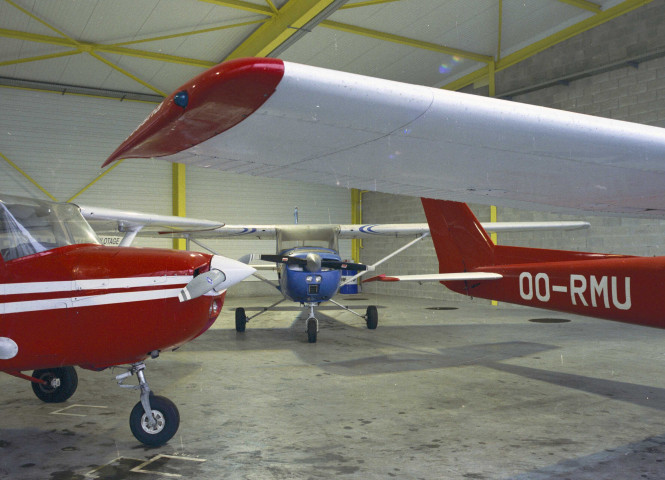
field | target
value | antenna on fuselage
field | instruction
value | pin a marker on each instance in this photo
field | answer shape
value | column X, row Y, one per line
column 295, row 215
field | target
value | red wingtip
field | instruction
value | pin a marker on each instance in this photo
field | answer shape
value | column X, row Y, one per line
column 381, row 278
column 219, row 99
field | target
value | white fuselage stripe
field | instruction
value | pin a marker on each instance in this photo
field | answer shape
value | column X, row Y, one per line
column 32, row 288
column 93, row 284
column 88, row 301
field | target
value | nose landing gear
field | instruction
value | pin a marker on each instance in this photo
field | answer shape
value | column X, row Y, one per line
column 154, row 420
column 311, row 325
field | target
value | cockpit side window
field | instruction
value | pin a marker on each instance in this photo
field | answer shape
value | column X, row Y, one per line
column 16, row 240
column 31, row 226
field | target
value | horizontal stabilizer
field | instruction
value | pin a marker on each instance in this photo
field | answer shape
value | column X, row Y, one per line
column 437, row 277
column 501, row 227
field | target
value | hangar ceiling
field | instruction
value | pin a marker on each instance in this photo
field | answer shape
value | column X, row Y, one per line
column 146, row 49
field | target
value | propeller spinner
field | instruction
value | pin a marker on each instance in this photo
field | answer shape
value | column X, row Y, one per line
column 223, row 273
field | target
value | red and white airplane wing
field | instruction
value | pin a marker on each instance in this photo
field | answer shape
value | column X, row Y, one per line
column 284, row 120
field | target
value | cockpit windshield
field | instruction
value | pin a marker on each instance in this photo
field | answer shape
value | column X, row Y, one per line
column 30, row 226
column 321, row 236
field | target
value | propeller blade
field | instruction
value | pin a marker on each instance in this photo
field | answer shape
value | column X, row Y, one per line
column 339, row 265
column 284, row 259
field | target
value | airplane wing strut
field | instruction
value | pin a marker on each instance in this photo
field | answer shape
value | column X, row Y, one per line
column 388, row 257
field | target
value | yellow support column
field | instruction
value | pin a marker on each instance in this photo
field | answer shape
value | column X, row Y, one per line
column 493, row 219
column 493, row 236
column 492, row 93
column 355, row 219
column 179, row 200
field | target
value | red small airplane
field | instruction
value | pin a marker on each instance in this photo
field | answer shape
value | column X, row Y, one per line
column 67, row 300
column 613, row 287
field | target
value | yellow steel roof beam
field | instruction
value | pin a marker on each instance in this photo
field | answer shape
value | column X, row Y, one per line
column 126, row 73
column 36, row 37
column 240, row 5
column 162, row 57
column 584, row 4
column 187, row 34
column 94, row 47
column 40, row 57
column 389, row 37
column 368, row 3
column 88, row 48
column 101, row 175
column 27, row 177
column 36, row 18
column 291, row 17
column 272, row 7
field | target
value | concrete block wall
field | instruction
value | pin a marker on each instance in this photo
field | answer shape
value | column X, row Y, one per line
column 633, row 36
column 633, row 93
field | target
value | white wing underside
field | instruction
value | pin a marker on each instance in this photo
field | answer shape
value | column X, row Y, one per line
column 371, row 230
column 336, row 128
column 109, row 221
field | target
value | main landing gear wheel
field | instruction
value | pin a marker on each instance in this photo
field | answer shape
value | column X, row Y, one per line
column 311, row 330
column 167, row 421
column 61, row 383
column 372, row 317
column 241, row 319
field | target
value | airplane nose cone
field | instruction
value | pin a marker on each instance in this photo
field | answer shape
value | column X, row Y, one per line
column 234, row 271
column 313, row 262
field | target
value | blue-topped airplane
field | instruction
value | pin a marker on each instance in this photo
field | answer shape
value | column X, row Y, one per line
column 310, row 267
column 308, row 263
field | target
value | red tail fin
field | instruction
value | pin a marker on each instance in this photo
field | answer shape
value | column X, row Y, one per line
column 460, row 241
column 462, row 244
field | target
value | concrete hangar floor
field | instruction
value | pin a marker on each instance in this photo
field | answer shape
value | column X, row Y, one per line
column 438, row 391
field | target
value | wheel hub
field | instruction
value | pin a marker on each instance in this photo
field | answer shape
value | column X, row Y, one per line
column 158, row 426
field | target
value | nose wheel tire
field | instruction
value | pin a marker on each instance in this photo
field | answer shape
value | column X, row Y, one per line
column 241, row 319
column 167, row 421
column 61, row 384
column 311, row 330
column 372, row 317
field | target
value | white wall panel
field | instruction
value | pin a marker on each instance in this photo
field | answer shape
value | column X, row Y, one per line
column 62, row 140
column 237, row 199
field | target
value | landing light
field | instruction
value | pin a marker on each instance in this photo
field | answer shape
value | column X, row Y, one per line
column 215, row 308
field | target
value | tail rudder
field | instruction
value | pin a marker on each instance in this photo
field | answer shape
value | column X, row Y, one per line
column 461, row 242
